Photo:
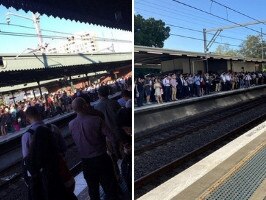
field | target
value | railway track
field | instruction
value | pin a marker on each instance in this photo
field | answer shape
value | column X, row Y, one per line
column 149, row 151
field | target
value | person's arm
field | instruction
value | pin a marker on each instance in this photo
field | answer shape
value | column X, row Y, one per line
column 25, row 144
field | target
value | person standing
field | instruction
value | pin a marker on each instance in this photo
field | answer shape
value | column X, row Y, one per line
column 89, row 134
column 167, row 88
column 174, row 85
column 147, row 87
column 197, row 84
column 158, row 91
column 139, row 89
column 42, row 150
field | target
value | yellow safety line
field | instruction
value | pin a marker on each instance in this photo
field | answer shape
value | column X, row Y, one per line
column 230, row 173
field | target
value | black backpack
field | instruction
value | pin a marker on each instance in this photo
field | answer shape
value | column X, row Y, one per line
column 42, row 164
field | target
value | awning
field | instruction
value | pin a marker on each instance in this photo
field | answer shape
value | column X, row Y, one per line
column 110, row 13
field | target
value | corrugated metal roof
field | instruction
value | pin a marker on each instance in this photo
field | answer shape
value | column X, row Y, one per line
column 177, row 53
column 40, row 61
column 110, row 13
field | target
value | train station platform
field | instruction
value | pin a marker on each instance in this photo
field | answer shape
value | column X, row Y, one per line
column 236, row 171
column 57, row 118
column 154, row 115
column 17, row 134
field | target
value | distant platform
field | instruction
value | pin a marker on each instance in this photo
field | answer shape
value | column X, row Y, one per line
column 14, row 135
column 17, row 134
column 236, row 171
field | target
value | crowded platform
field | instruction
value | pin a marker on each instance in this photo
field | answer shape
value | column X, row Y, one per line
column 172, row 86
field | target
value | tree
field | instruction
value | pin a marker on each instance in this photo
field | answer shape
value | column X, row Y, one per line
column 225, row 50
column 150, row 32
column 251, row 47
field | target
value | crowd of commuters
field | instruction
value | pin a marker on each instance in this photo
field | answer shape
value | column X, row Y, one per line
column 172, row 86
column 102, row 134
column 12, row 115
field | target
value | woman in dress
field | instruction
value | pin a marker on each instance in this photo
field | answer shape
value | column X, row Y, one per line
column 158, row 91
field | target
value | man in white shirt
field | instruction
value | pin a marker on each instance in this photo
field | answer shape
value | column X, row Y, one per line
column 167, row 89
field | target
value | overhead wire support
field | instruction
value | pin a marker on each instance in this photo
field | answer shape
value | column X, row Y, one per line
column 206, row 12
column 213, row 39
column 219, row 30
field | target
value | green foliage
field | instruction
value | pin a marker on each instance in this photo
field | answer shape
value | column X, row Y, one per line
column 150, row 32
column 251, row 47
column 225, row 50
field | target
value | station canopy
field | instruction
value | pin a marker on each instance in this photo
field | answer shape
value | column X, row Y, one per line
column 145, row 56
column 110, row 13
column 40, row 67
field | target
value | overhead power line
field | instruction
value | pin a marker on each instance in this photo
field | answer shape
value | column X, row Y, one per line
column 227, row 7
column 206, row 12
column 200, row 31
column 183, row 20
column 19, row 34
column 199, row 39
column 28, row 27
column 178, row 12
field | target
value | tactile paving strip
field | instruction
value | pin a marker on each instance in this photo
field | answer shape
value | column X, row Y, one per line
column 245, row 179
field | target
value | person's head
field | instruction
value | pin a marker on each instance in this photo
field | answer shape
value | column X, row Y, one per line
column 103, row 92
column 79, row 105
column 86, row 97
column 32, row 114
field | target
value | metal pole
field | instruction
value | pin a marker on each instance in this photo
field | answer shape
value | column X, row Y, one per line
column 262, row 56
column 205, row 40
column 36, row 21
column 205, row 48
column 13, row 97
column 207, row 65
column 39, row 86
column 34, row 94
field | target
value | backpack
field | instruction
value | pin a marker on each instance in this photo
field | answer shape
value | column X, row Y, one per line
column 44, row 169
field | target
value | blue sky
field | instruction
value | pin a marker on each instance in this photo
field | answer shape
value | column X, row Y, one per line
column 179, row 15
column 14, row 44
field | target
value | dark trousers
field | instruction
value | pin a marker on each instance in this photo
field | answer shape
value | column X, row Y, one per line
column 167, row 93
column 100, row 170
column 140, row 98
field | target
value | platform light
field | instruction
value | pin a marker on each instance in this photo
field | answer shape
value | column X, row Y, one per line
column 154, row 52
column 175, row 54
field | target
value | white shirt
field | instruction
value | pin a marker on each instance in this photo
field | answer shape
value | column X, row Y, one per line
column 166, row 82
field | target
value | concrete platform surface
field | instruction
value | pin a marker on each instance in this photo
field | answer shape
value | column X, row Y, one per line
column 208, row 174
column 193, row 99
column 81, row 189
